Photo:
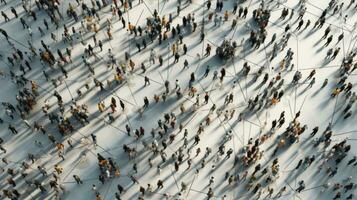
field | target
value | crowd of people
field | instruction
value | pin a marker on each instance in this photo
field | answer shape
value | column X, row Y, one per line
column 80, row 23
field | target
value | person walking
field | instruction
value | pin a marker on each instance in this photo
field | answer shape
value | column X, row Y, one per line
column 94, row 139
column 77, row 179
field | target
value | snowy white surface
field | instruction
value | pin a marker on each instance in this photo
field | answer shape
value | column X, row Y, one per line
column 315, row 105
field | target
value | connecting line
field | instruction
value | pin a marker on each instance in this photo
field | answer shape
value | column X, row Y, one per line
column 161, row 77
column 297, row 51
column 70, row 93
column 191, row 185
column 234, row 149
column 312, row 188
column 285, row 182
column 218, row 117
column 129, row 51
column 16, row 5
column 321, row 9
column 111, row 125
column 345, row 133
column 84, row 180
column 147, row 8
column 108, row 188
column 240, row 87
column 80, row 159
column 216, row 197
column 131, row 93
column 144, row 139
column 350, row 42
column 235, row 29
column 173, row 175
column 246, row 86
column 20, row 43
column 243, row 132
column 250, row 130
column 71, row 170
column 158, row 5
column 245, row 98
column 17, row 163
column 322, row 67
column 163, row 84
column 314, row 15
column 135, row 141
column 234, row 67
column 115, row 94
column 168, row 63
column 267, row 58
column 295, row 194
column 163, row 6
column 95, row 144
column 137, row 21
column 221, row 122
column 297, row 154
column 264, row 157
column 127, row 13
column 343, row 46
column 148, row 78
column 48, row 91
column 62, row 21
column 199, row 191
column 295, row 99
column 334, row 109
column 303, row 102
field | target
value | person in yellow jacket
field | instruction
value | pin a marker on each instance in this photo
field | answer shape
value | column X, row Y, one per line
column 282, row 64
column 95, row 28
column 126, row 5
column 59, row 146
column 109, row 33
column 118, row 77
column 226, row 15
column 97, row 197
column 156, row 98
column 131, row 65
column 131, row 27
column 101, row 106
column 123, row 66
column 163, row 21
column 34, row 87
column 117, row 172
column 58, row 169
column 335, row 92
column 174, row 48
column 70, row 7
column 274, row 101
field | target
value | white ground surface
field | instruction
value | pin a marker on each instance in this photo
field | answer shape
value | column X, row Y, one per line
column 315, row 105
